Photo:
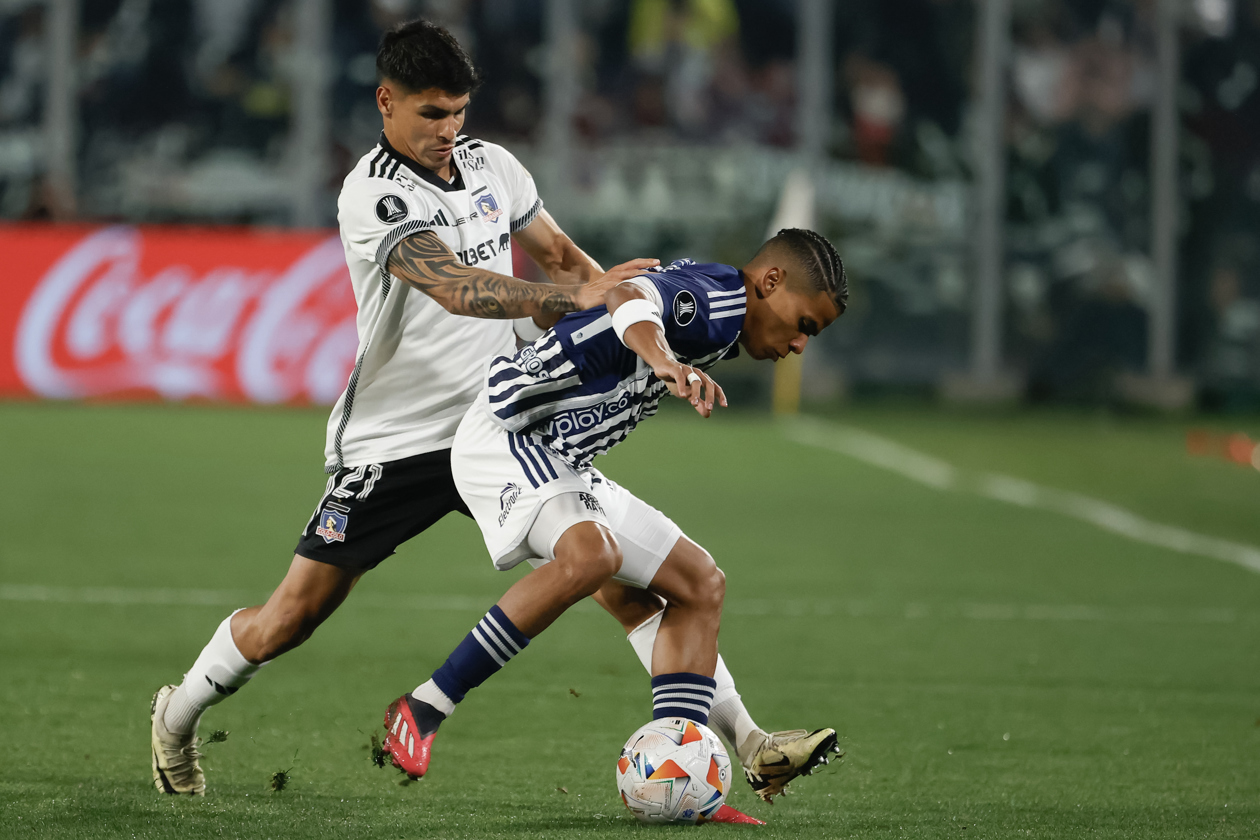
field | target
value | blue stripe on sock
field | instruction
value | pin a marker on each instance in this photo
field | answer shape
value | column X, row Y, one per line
column 491, row 628
column 516, row 635
column 471, row 664
column 683, row 695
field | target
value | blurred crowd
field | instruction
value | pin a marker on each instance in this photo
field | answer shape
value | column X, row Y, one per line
column 186, row 109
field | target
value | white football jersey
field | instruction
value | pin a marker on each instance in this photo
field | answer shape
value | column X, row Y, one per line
column 418, row 367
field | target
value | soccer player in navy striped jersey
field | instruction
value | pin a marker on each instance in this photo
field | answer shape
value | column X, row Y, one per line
column 429, row 219
column 522, row 462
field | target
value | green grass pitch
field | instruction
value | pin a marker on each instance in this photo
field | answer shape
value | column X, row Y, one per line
column 994, row 671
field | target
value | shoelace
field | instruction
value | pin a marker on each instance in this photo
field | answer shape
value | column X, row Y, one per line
column 183, row 770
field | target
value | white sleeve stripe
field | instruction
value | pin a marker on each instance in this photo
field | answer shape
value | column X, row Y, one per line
column 508, row 372
column 726, row 313
column 594, row 328
column 525, row 418
column 525, row 391
column 395, row 236
column 502, row 381
column 726, row 294
column 517, row 224
column 727, row 304
column 645, row 283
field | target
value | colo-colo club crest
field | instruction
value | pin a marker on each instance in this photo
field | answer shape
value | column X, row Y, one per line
column 332, row 523
column 488, row 207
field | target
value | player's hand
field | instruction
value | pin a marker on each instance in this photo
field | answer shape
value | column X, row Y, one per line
column 592, row 294
column 691, row 384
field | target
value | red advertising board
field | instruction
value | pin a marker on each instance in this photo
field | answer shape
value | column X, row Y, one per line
column 174, row 313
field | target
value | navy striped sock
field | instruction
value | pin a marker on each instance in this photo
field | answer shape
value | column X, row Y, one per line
column 682, row 695
column 490, row 645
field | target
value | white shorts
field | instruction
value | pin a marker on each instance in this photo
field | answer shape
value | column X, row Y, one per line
column 506, row 479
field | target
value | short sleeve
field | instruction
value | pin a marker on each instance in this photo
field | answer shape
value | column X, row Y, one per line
column 523, row 199
column 695, row 311
column 376, row 214
column 644, row 283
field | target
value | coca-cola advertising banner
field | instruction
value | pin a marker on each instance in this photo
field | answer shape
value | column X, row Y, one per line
column 174, row 313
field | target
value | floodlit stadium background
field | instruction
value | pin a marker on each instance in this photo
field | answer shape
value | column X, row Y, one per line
column 1012, row 225
column 1010, row 547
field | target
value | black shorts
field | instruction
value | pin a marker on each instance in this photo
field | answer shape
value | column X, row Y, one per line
column 368, row 511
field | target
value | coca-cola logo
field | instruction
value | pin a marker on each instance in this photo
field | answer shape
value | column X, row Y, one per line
column 194, row 321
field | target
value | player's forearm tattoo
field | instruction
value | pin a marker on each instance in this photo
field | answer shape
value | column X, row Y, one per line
column 427, row 264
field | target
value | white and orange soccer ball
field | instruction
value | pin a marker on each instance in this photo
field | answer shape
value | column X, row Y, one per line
column 673, row 770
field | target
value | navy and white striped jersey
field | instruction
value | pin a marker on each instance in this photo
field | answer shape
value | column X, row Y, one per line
column 580, row 391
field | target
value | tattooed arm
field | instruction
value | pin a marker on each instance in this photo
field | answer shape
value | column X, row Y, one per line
column 427, row 264
column 424, row 261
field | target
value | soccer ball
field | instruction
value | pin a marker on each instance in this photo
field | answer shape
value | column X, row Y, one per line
column 673, row 770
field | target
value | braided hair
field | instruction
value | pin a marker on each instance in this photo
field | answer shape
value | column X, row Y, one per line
column 823, row 268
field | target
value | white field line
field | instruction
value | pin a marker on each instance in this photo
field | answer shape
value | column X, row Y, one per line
column 123, row 596
column 889, row 455
column 809, row 607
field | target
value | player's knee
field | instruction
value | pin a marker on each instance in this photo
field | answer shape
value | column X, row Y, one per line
column 711, row 588
column 586, row 558
column 704, row 584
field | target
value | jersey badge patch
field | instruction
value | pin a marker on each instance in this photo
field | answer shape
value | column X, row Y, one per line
column 332, row 525
column 391, row 209
column 488, row 207
column 507, row 497
column 684, row 308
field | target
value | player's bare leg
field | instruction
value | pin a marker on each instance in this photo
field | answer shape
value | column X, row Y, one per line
column 693, row 588
column 243, row 643
column 308, row 595
column 586, row 555
column 771, row 760
column 683, row 636
column 630, row 605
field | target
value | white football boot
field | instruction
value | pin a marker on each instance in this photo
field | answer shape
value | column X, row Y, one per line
column 771, row 761
column 175, row 767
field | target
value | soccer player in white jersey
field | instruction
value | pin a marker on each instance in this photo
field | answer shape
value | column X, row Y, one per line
column 428, row 218
column 522, row 461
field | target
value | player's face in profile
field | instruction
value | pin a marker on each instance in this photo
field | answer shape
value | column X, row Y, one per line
column 783, row 320
column 427, row 120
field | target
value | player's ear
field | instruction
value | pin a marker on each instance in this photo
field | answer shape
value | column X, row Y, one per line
column 770, row 281
column 385, row 101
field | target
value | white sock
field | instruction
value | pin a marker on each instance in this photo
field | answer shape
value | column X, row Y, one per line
column 728, row 717
column 218, row 672
column 643, row 639
column 435, row 697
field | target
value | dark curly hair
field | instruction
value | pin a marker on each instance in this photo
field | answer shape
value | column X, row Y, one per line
column 419, row 55
column 818, row 259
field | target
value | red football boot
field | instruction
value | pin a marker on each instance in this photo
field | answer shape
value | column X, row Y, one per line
column 727, row 814
column 410, row 729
